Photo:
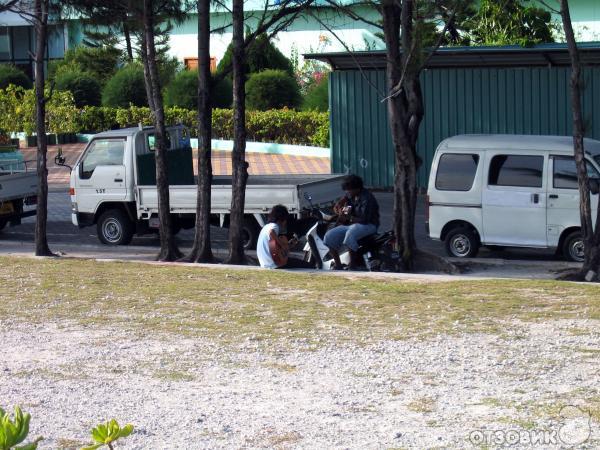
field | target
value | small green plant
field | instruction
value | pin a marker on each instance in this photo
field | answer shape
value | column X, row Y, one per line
column 107, row 434
column 14, row 431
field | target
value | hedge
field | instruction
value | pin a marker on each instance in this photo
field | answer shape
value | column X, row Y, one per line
column 17, row 108
column 279, row 126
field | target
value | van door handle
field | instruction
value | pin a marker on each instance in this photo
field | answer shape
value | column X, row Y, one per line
column 553, row 196
column 118, row 180
column 535, row 198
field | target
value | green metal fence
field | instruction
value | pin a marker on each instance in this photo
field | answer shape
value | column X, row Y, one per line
column 532, row 100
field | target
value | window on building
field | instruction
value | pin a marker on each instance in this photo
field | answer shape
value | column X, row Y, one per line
column 56, row 42
column 456, row 172
column 192, row 64
column 5, row 53
column 564, row 174
column 21, row 37
column 516, row 170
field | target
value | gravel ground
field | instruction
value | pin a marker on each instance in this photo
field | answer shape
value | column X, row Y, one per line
column 189, row 394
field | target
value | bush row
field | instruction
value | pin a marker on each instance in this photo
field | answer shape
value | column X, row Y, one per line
column 280, row 126
column 17, row 113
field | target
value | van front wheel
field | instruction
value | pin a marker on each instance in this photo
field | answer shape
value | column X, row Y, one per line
column 462, row 242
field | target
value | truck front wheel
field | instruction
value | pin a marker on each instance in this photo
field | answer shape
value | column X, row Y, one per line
column 115, row 228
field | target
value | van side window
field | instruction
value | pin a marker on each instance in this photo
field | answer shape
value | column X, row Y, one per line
column 564, row 174
column 102, row 152
column 516, row 170
column 456, row 172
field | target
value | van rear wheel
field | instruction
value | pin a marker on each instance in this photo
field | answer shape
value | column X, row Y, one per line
column 573, row 248
column 462, row 242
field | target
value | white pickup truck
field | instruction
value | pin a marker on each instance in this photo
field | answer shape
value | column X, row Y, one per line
column 18, row 189
column 113, row 186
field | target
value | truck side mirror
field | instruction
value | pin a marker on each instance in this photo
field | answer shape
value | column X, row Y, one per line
column 594, row 185
column 60, row 160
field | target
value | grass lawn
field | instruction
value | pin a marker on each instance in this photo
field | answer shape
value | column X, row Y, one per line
column 230, row 306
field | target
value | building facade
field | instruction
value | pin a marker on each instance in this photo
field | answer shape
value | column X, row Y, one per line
column 321, row 29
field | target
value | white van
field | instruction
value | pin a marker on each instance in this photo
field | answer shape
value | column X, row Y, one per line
column 508, row 191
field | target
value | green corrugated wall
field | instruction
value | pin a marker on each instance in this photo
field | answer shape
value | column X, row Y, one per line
column 466, row 100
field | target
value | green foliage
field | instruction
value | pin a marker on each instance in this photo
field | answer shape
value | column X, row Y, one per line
column 100, row 62
column 14, row 431
column 183, row 91
column 168, row 68
column 85, row 88
column 317, row 96
column 18, row 106
column 17, row 113
column 108, row 433
column 11, row 105
column 272, row 89
column 126, row 87
column 279, row 126
column 511, row 22
column 260, row 55
column 9, row 74
column 93, row 119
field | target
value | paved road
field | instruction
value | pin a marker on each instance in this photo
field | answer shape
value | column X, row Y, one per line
column 61, row 231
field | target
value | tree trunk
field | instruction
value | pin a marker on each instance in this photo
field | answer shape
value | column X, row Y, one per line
column 41, row 27
column 591, row 237
column 168, row 246
column 201, row 251
column 405, row 111
column 240, row 166
column 127, row 35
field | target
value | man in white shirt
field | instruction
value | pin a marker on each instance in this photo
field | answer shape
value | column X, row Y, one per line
column 278, row 218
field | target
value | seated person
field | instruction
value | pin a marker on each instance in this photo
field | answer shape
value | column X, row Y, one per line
column 272, row 248
column 358, row 216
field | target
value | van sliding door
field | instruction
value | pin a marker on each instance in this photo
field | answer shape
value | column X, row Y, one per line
column 514, row 200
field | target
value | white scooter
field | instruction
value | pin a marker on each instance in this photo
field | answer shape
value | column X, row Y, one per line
column 317, row 252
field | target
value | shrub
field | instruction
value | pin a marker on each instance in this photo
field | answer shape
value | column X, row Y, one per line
column 272, row 89
column 85, row 88
column 126, row 87
column 183, row 91
column 279, row 126
column 317, row 96
column 17, row 113
column 93, row 119
column 260, row 55
column 9, row 74
column 100, row 62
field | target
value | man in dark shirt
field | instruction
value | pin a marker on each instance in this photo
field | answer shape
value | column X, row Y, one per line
column 358, row 213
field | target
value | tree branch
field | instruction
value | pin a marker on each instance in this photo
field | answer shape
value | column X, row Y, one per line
column 348, row 11
column 351, row 52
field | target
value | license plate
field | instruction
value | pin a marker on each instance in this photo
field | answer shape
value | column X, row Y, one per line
column 7, row 208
